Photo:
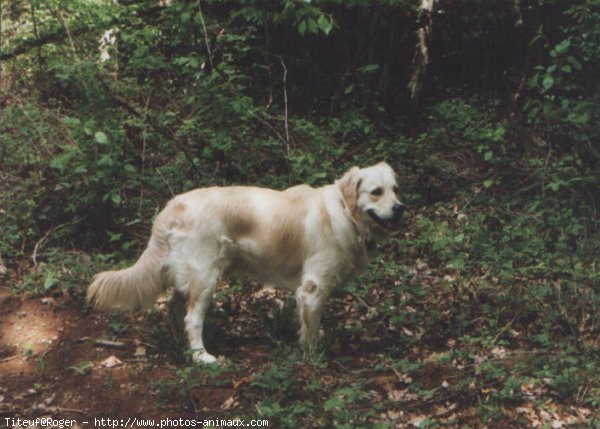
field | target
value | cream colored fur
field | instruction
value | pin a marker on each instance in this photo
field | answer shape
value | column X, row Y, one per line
column 303, row 238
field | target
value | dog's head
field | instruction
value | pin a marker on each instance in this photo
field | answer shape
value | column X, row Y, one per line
column 371, row 195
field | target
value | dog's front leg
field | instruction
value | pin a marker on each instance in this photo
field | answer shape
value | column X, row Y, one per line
column 309, row 299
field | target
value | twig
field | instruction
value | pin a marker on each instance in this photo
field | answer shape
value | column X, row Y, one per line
column 21, row 104
column 37, row 36
column 362, row 301
column 110, row 344
column 508, row 325
column 285, row 105
column 205, row 35
column 45, row 236
column 59, row 16
column 266, row 123
column 6, row 359
column 143, row 169
column 165, row 180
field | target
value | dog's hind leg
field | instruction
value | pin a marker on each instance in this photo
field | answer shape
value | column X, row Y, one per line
column 201, row 285
column 177, row 307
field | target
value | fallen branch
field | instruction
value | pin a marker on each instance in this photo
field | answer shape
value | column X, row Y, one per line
column 45, row 236
column 55, row 37
column 110, row 344
column 6, row 359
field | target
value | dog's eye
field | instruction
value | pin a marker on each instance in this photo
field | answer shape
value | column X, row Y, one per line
column 377, row 192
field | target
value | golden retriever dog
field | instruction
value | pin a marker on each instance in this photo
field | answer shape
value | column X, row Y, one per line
column 302, row 238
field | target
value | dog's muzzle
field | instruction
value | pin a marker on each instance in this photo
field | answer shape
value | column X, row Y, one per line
column 391, row 222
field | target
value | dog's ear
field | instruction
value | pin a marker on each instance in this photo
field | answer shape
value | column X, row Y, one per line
column 349, row 185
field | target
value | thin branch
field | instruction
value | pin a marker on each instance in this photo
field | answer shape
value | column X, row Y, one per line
column 62, row 21
column 285, row 106
column 54, row 37
column 37, row 35
column 165, row 180
column 21, row 104
column 268, row 125
column 205, row 35
column 143, row 169
column 110, row 344
column 45, row 237
column 508, row 325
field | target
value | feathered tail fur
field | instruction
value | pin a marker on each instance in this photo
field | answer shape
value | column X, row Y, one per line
column 133, row 287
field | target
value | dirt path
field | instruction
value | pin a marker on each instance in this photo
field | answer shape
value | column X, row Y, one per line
column 51, row 365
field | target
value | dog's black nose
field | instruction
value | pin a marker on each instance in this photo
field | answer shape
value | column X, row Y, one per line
column 398, row 210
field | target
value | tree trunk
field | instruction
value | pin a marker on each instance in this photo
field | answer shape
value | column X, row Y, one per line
column 421, row 57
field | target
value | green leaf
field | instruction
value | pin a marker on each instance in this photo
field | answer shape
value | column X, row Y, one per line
column 488, row 155
column 574, row 62
column 369, row 68
column 313, row 27
column 488, row 183
column 548, row 83
column 129, row 168
column 324, row 24
column 100, row 137
column 81, row 368
column 185, row 17
column 115, row 198
column 27, row 349
column 50, row 280
column 302, row 27
column 71, row 122
column 334, row 402
column 555, row 186
column 458, row 263
column 105, row 160
column 562, row 46
column 349, row 89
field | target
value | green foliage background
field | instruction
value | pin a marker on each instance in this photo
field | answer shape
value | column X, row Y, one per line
column 499, row 159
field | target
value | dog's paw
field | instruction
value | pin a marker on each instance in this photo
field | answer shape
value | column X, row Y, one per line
column 202, row 356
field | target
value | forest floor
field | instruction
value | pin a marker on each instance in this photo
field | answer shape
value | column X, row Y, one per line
column 59, row 360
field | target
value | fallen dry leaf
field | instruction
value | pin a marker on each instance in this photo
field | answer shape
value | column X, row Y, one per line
column 229, row 403
column 416, row 421
column 241, row 381
column 111, row 362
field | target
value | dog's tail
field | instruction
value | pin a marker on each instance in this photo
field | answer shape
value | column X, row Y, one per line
column 133, row 287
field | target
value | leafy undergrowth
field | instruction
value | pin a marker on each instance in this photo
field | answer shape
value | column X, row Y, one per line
column 434, row 335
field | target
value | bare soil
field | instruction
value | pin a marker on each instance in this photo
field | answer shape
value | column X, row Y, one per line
column 54, row 361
